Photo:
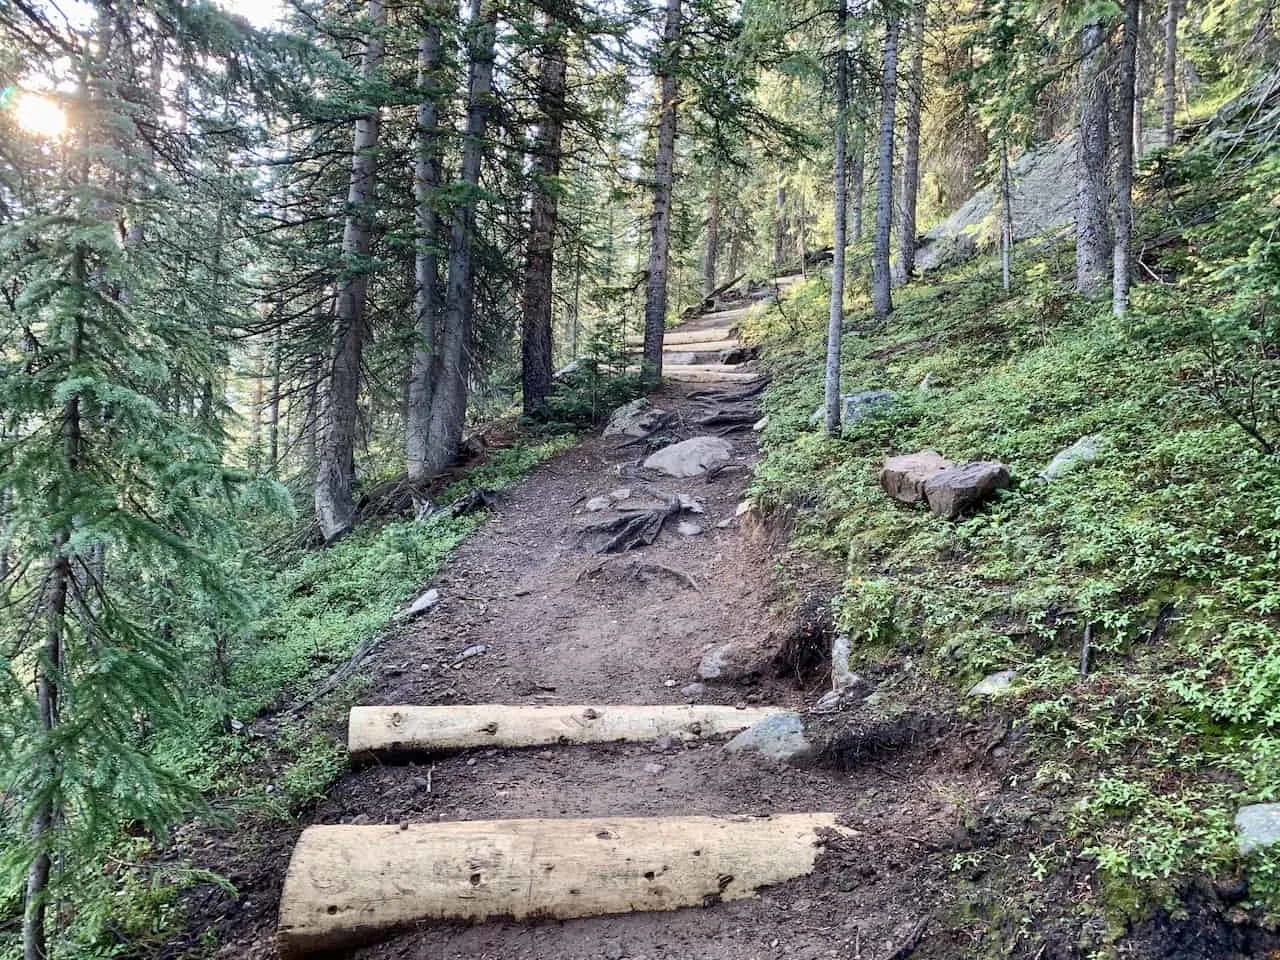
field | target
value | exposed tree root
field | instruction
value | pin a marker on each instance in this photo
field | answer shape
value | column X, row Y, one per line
column 632, row 530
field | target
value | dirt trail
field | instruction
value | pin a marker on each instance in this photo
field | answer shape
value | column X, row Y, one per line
column 562, row 624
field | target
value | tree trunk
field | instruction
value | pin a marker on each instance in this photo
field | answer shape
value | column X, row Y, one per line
column 256, row 401
column 426, row 261
column 1124, row 160
column 911, row 148
column 1006, row 214
column 779, row 227
column 655, row 306
column 839, row 213
column 881, row 296
column 449, row 400
column 858, row 174
column 1092, row 242
column 273, row 435
column 735, row 241
column 536, row 344
column 713, row 241
column 1170, row 91
column 335, row 508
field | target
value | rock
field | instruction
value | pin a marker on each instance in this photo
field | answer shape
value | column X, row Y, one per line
column 622, row 493
column 779, row 737
column 760, row 424
column 653, row 769
column 596, row 504
column 715, row 662
column 854, row 407
column 572, row 367
column 638, row 418
column 692, row 457
column 689, row 529
column 663, row 743
column 1085, row 450
column 725, row 523
column 1257, row 826
column 423, row 603
column 474, row 650
column 841, row 675
column 956, row 490
column 693, row 691
column 993, row 684
column 739, row 354
column 904, row 477
column 746, row 506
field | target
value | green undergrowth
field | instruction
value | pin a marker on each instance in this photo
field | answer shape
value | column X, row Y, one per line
column 1166, row 549
column 248, row 757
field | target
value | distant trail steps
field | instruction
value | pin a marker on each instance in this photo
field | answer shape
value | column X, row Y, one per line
column 381, row 731
column 677, row 337
column 348, row 885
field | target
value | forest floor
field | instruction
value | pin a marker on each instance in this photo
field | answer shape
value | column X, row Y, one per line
column 562, row 624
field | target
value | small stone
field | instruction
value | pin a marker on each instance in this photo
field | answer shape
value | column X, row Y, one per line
column 423, row 603
column 746, row 506
column 546, row 755
column 779, row 737
column 622, row 493
column 596, row 504
column 404, row 824
column 693, row 691
column 1083, row 451
column 993, row 684
column 689, row 529
column 725, row 523
column 1257, row 826
column 716, row 663
column 471, row 761
column 690, row 504
column 474, row 650
column 663, row 743
column 760, row 424
column 668, row 682
column 653, row 769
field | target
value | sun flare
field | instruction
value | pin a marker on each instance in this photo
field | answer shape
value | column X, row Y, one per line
column 39, row 115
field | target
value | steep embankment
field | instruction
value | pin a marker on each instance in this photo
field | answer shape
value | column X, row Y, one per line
column 1133, row 594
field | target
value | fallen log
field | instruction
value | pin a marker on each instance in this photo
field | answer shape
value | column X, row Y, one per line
column 381, row 731
column 348, row 885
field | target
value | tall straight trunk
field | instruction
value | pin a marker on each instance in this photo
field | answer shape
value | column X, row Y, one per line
column 801, row 242
column 655, row 300
column 1141, row 88
column 1170, row 86
column 536, row 342
column 255, row 434
column 273, row 421
column 858, row 176
column 839, row 213
column 49, row 667
column 712, row 249
column 449, row 399
column 1124, row 160
column 779, row 226
column 1006, row 214
column 335, row 508
column 426, row 260
column 911, row 147
column 881, row 295
column 1092, row 241
column 735, row 240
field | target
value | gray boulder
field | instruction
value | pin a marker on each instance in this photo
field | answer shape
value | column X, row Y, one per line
column 956, row 490
column 1083, row 451
column 993, row 684
column 1257, row 826
column 779, row 737
column 718, row 663
column 638, row 418
column 855, row 407
column 692, row 457
column 904, row 477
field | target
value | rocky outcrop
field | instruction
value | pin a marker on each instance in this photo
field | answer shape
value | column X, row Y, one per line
column 957, row 490
column 639, row 418
column 904, row 477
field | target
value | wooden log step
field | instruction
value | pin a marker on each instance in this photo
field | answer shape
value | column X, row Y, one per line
column 348, row 885
column 687, row 336
column 379, row 731
column 697, row 373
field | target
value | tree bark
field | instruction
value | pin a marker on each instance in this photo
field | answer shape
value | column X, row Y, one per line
column 449, row 400
column 911, row 147
column 1170, row 86
column 426, row 261
column 713, row 241
column 273, row 435
column 335, row 508
column 881, row 295
column 1006, row 214
column 1126, row 95
column 858, row 174
column 1092, row 241
column 839, row 213
column 536, row 342
column 655, row 306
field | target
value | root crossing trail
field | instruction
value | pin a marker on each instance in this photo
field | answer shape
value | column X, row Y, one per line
column 530, row 614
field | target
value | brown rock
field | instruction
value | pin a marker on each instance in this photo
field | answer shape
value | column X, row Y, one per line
column 903, row 478
column 956, row 490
